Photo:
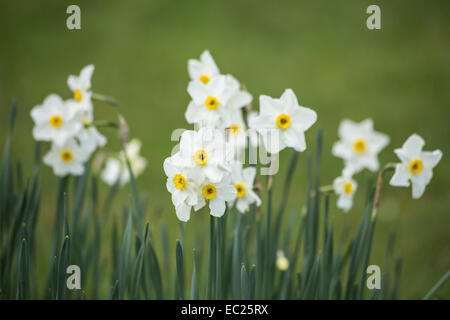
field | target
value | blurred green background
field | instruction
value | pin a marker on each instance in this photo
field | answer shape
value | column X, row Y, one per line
column 399, row 76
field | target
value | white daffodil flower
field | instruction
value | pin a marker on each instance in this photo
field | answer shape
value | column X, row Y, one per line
column 206, row 149
column 184, row 185
column 209, row 102
column 345, row 187
column 80, row 86
column 116, row 168
column 90, row 138
column 359, row 145
column 183, row 211
column 240, row 98
column 416, row 166
column 55, row 121
column 203, row 70
column 252, row 133
column 66, row 159
column 243, row 180
column 236, row 133
column 113, row 171
column 218, row 193
column 137, row 162
column 282, row 122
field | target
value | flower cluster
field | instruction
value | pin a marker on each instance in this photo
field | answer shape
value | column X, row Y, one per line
column 205, row 170
column 359, row 146
column 69, row 126
column 209, row 167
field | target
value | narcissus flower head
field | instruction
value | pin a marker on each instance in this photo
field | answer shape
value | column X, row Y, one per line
column 209, row 102
column 203, row 70
column 217, row 194
column 416, row 167
column 90, row 138
column 345, row 187
column 359, row 145
column 55, row 121
column 184, row 185
column 80, row 86
column 240, row 98
column 282, row 122
column 68, row 158
column 236, row 133
column 243, row 180
column 207, row 150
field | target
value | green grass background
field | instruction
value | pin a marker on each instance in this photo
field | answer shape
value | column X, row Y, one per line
column 399, row 76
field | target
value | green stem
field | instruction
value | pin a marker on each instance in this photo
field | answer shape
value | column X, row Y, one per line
column 103, row 123
column 437, row 285
column 326, row 189
column 108, row 100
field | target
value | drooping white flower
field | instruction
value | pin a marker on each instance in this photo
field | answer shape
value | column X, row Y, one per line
column 359, row 145
column 282, row 122
column 240, row 98
column 184, row 185
column 55, row 121
column 80, row 86
column 116, row 168
column 243, row 180
column 416, row 166
column 236, row 133
column 183, row 211
column 207, row 150
column 137, row 162
column 203, row 70
column 90, row 138
column 218, row 193
column 209, row 102
column 345, row 187
column 252, row 133
column 113, row 171
column 68, row 158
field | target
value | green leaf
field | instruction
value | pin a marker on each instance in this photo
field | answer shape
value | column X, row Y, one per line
column 165, row 246
column 180, row 270
column 62, row 267
column 437, row 286
column 357, row 250
column 155, row 272
column 124, row 258
column 245, row 291
column 236, row 261
column 136, row 202
column 23, row 272
column 219, row 257
column 211, row 286
column 398, row 269
column 327, row 264
column 194, row 282
column 252, row 279
column 137, row 273
column 311, row 282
